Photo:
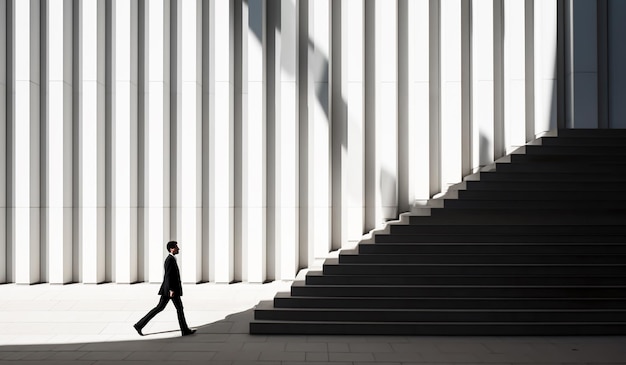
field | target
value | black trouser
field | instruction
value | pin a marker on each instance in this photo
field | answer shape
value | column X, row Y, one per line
column 162, row 303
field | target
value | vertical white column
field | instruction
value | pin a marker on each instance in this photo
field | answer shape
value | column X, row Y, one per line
column 386, row 104
column 91, row 217
column 514, row 74
column 25, row 173
column 352, row 90
column 124, row 140
column 253, row 143
column 581, row 65
column 157, row 136
column 616, row 62
column 286, row 137
column 189, row 154
column 221, row 143
column 319, row 165
column 58, row 210
column 3, row 141
column 419, row 100
column 545, row 65
column 451, row 104
column 482, row 83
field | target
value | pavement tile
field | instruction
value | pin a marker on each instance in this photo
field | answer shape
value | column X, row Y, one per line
column 462, row 347
column 317, row 363
column 350, row 356
column 237, row 355
column 414, row 347
column 191, row 356
column 66, row 355
column 264, row 346
column 316, row 356
column 397, row 357
column 370, row 347
column 105, row 355
column 13, row 355
column 338, row 347
column 307, row 346
column 282, row 356
column 449, row 357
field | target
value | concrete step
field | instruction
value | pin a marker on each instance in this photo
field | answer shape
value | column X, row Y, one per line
column 286, row 300
column 438, row 329
column 551, row 230
column 318, row 278
column 332, row 267
column 481, row 258
column 266, row 311
column 493, row 248
column 554, row 195
column 584, row 133
column 569, row 186
column 570, row 177
column 586, row 141
column 589, row 167
column 522, row 217
column 457, row 291
column 533, row 204
column 494, row 239
column 575, row 150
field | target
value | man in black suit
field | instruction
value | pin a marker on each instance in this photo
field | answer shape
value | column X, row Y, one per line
column 171, row 288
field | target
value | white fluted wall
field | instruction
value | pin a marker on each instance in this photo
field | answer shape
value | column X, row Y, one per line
column 261, row 134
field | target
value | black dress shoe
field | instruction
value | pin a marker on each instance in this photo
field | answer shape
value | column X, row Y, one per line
column 138, row 330
column 189, row 332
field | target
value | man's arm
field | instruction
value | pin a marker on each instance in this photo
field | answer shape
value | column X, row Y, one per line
column 168, row 276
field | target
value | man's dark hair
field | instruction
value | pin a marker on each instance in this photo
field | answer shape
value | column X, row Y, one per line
column 171, row 245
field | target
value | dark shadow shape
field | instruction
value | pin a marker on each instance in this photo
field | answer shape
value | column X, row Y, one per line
column 158, row 333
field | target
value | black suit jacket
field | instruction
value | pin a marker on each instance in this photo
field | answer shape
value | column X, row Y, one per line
column 171, row 279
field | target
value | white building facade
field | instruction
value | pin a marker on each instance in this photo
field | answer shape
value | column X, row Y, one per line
column 263, row 134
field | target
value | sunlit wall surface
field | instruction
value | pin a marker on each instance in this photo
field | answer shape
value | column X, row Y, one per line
column 262, row 134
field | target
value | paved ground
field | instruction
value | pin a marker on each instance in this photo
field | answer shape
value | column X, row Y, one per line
column 89, row 324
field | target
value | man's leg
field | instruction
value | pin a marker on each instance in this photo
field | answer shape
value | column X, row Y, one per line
column 144, row 321
column 178, row 303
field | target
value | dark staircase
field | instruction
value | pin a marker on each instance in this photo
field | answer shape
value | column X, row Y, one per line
column 533, row 245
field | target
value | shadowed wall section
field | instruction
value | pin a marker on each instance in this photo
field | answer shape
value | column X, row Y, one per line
column 262, row 134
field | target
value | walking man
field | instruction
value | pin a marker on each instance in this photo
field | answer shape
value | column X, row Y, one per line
column 171, row 288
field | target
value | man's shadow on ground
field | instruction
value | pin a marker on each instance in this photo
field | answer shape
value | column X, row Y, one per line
column 226, row 335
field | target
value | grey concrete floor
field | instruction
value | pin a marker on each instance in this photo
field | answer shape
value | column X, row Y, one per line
column 92, row 324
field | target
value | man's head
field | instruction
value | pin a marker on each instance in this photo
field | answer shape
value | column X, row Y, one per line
column 172, row 247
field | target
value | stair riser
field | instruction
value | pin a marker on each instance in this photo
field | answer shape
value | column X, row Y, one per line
column 576, row 150
column 567, row 167
column 493, row 270
column 481, row 259
column 539, row 195
column 496, row 248
column 440, row 316
column 591, row 187
column 486, row 238
column 422, row 329
column 533, row 204
column 584, row 133
column 457, row 292
column 449, row 303
column 552, row 158
column 462, row 280
column 521, row 218
column 588, row 141
column 572, row 230
column 550, row 177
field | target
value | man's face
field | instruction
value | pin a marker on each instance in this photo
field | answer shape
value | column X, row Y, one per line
column 175, row 250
